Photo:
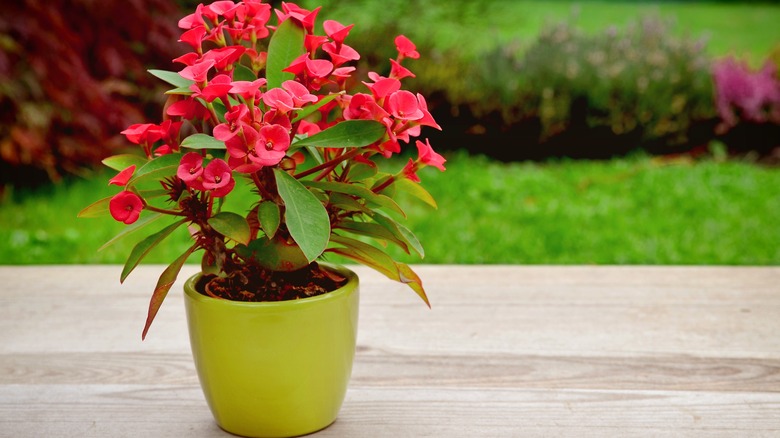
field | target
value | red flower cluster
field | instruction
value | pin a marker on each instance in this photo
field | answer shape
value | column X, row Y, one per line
column 250, row 103
column 260, row 124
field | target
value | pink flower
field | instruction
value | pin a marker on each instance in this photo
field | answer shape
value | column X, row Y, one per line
column 248, row 90
column 218, row 88
column 191, row 169
column 404, row 105
column 125, row 207
column 241, row 150
column 194, row 37
column 272, row 145
column 428, row 156
column 406, row 48
column 198, row 72
column 141, row 133
column 279, row 100
column 122, row 177
column 382, row 87
column 398, row 71
column 224, row 56
column 410, row 171
column 188, row 108
column 336, row 31
column 363, row 106
column 225, row 8
column 299, row 93
column 308, row 128
column 218, row 178
column 304, row 17
column 340, row 54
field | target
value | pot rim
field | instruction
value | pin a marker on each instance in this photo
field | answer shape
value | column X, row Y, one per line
column 350, row 286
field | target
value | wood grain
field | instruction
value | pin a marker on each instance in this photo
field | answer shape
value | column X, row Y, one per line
column 505, row 351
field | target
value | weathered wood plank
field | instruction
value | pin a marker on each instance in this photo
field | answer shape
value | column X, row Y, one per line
column 505, row 351
column 162, row 411
column 375, row 368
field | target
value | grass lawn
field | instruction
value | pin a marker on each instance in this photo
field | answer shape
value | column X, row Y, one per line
column 746, row 29
column 626, row 211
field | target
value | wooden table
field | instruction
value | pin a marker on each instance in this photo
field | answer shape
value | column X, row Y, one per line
column 505, row 351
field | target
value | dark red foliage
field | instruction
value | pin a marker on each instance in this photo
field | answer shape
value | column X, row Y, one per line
column 73, row 75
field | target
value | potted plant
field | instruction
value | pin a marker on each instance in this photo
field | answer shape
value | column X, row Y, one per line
column 266, row 156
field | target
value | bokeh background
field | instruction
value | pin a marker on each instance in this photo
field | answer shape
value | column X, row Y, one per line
column 601, row 132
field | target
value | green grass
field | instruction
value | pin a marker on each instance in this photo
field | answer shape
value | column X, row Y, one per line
column 626, row 211
column 745, row 29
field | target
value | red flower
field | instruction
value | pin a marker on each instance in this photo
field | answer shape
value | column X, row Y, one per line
column 197, row 72
column 406, row 48
column 304, row 17
column 279, row 100
column 299, row 93
column 363, row 106
column 191, row 169
column 410, row 171
column 428, row 156
column 218, row 178
column 218, row 88
column 122, row 177
column 398, row 71
column 141, row 133
column 248, row 90
column 404, row 105
column 336, row 31
column 126, row 207
column 272, row 145
column 241, row 150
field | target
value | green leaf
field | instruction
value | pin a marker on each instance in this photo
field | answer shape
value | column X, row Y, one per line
column 375, row 258
column 269, row 216
column 219, row 108
column 181, row 91
column 356, row 190
column 243, row 73
column 123, row 161
column 414, row 189
column 202, row 141
column 164, row 284
column 401, row 232
column 143, row 247
column 137, row 225
column 349, row 133
column 276, row 254
column 310, row 109
column 96, row 209
column 231, row 225
column 285, row 46
column 375, row 231
column 172, row 78
column 156, row 169
column 359, row 171
column 306, row 218
column 347, row 203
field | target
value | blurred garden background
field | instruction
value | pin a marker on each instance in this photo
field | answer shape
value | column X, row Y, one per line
column 576, row 132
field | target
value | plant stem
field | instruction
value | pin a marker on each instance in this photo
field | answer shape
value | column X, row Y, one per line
column 329, row 165
column 163, row 211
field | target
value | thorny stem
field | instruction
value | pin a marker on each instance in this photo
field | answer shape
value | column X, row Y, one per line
column 384, row 184
column 327, row 167
column 163, row 210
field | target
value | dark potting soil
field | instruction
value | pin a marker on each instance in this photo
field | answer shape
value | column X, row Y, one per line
column 256, row 284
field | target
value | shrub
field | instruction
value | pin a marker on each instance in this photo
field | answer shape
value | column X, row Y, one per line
column 744, row 95
column 71, row 77
column 641, row 80
column 748, row 103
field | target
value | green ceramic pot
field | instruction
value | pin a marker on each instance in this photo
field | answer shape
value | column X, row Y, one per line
column 274, row 369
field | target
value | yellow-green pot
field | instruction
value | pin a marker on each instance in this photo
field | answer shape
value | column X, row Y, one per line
column 274, row 369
